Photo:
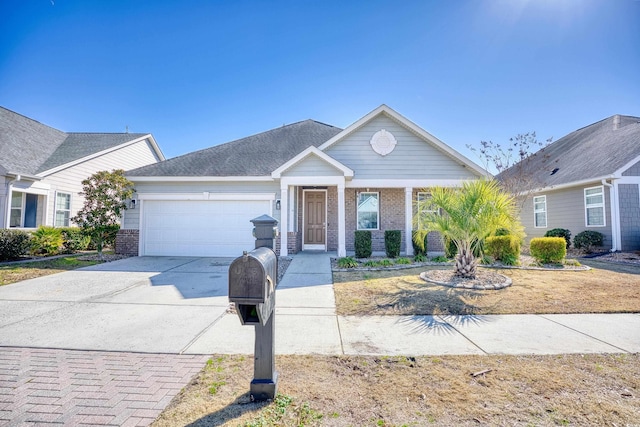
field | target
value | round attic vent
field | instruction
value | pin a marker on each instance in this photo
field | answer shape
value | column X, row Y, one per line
column 383, row 142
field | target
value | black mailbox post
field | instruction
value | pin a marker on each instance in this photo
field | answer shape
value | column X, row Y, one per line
column 252, row 285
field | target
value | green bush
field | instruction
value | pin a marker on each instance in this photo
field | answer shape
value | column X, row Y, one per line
column 363, row 244
column 403, row 261
column 13, row 244
column 347, row 262
column 420, row 258
column 46, row 240
column 109, row 233
column 548, row 249
column 450, row 248
column 74, row 240
column 392, row 243
column 587, row 240
column 560, row 232
column 503, row 248
column 419, row 241
column 439, row 258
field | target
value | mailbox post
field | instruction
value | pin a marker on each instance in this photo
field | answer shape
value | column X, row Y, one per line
column 252, row 287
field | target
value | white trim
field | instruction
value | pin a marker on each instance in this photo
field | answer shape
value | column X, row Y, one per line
column 594, row 206
column 284, row 220
column 199, row 178
column 312, row 180
column 342, row 246
column 414, row 128
column 312, row 151
column 614, row 207
column 207, row 196
column 546, row 222
column 580, row 183
column 404, row 183
column 101, row 153
column 408, row 220
column 304, row 211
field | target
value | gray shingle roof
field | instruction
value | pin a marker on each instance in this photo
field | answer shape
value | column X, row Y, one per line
column 594, row 151
column 25, row 144
column 256, row 155
column 29, row 147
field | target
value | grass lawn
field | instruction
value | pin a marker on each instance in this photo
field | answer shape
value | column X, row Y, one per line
column 608, row 288
column 16, row 272
column 581, row 390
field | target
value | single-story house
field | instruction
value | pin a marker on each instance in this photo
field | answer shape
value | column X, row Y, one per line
column 42, row 168
column 587, row 180
column 320, row 182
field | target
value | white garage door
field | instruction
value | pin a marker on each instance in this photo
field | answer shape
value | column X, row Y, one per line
column 200, row 228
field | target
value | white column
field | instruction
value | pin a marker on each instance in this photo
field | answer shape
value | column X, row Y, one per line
column 342, row 246
column 284, row 219
column 408, row 220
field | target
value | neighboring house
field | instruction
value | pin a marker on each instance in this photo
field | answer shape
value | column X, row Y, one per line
column 588, row 180
column 41, row 168
column 320, row 182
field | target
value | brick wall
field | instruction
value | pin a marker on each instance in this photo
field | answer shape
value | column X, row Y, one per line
column 127, row 242
column 391, row 216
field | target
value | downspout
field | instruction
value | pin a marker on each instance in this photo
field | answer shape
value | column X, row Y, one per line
column 615, row 219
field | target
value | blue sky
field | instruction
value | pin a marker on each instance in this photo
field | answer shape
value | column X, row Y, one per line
column 200, row 73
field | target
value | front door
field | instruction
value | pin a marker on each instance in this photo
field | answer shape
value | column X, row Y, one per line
column 315, row 219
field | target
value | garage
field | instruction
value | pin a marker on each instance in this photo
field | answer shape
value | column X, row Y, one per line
column 199, row 227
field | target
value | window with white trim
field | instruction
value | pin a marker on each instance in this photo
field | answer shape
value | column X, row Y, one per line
column 15, row 217
column 540, row 211
column 368, row 211
column 424, row 206
column 63, row 209
column 594, row 207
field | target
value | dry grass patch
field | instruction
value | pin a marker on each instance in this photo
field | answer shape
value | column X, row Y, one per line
column 402, row 292
column 417, row 391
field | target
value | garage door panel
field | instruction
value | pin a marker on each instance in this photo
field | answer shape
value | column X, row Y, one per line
column 200, row 228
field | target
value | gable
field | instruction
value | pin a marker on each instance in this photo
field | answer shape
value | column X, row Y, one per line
column 312, row 165
column 633, row 170
column 413, row 157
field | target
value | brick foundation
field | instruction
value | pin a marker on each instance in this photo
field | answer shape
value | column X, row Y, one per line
column 127, row 242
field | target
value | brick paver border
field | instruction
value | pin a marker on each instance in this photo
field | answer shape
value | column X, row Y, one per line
column 81, row 388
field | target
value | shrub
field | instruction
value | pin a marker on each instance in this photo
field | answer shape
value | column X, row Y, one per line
column 587, row 240
column 347, row 262
column 392, row 243
column 46, row 240
column 439, row 258
column 503, row 248
column 548, row 249
column 419, row 241
column 420, row 258
column 363, row 244
column 74, row 240
column 13, row 244
column 450, row 248
column 403, row 261
column 108, row 235
column 560, row 232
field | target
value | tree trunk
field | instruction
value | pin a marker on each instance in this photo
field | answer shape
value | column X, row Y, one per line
column 466, row 264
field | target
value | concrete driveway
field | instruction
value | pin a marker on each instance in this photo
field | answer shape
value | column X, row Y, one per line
column 142, row 304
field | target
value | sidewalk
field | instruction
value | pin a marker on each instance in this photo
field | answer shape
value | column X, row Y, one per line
column 307, row 323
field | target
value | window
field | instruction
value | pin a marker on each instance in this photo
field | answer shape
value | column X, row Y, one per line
column 368, row 211
column 540, row 211
column 594, row 206
column 424, row 206
column 63, row 209
column 16, row 210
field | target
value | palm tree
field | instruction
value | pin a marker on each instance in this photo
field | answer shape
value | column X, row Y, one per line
column 467, row 216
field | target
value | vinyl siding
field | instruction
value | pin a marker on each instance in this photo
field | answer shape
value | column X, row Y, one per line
column 633, row 170
column 69, row 180
column 132, row 217
column 412, row 157
column 312, row 166
column 565, row 209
